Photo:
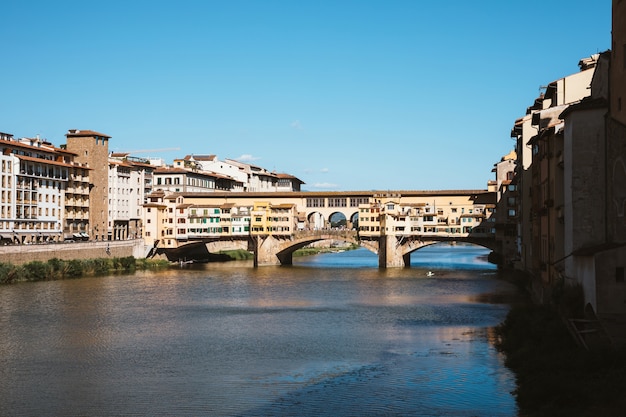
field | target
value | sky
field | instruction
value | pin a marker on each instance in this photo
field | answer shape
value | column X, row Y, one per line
column 346, row 95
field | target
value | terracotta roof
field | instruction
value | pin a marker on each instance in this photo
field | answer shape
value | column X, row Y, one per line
column 15, row 143
column 84, row 133
column 120, row 163
column 313, row 194
column 199, row 157
column 282, row 175
column 44, row 161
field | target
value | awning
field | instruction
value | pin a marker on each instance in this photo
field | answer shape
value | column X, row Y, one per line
column 77, row 235
column 85, row 235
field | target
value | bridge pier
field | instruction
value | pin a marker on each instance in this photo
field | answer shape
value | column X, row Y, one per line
column 267, row 252
column 394, row 251
column 390, row 253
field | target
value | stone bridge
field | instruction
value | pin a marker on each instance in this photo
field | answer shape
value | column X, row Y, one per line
column 392, row 250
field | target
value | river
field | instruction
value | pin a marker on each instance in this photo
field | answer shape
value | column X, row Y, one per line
column 332, row 335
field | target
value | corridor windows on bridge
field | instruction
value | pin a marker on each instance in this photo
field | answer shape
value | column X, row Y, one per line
column 337, row 202
column 315, row 202
column 356, row 201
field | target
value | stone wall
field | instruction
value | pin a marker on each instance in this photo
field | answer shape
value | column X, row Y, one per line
column 20, row 254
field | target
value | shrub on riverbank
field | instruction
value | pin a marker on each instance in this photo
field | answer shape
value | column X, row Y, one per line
column 555, row 377
column 237, row 255
column 61, row 269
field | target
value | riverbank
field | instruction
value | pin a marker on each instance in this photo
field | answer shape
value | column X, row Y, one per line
column 556, row 377
column 56, row 268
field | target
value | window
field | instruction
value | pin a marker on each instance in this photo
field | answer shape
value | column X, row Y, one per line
column 315, row 202
column 355, row 202
column 337, row 202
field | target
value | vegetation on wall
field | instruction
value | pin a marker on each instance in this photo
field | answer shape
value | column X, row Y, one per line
column 62, row 269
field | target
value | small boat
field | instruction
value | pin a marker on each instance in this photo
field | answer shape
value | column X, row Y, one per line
column 185, row 262
column 430, row 274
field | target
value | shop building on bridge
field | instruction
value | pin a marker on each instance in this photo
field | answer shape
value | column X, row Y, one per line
column 173, row 220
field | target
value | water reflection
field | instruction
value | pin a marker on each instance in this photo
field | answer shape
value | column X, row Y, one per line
column 225, row 339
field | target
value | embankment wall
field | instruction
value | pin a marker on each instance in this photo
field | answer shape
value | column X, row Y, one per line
column 20, row 254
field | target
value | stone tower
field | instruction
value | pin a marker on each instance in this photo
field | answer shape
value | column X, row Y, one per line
column 92, row 148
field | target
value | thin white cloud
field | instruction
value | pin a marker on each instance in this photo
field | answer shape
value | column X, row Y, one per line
column 325, row 185
column 324, row 170
column 246, row 157
column 296, row 125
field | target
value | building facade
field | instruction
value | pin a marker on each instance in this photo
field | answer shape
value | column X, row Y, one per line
column 92, row 149
column 571, row 170
column 35, row 177
column 174, row 219
column 507, row 206
column 539, row 179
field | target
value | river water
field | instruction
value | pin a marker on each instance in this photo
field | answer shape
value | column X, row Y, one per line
column 332, row 335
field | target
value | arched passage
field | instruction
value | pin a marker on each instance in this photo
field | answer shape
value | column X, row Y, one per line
column 354, row 221
column 338, row 220
column 316, row 221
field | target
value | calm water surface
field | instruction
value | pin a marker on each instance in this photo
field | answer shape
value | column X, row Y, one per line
column 332, row 335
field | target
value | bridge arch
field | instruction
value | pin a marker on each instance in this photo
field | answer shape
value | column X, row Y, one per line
column 281, row 250
column 412, row 245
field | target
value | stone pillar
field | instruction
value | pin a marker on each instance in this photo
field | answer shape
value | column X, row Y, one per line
column 390, row 253
column 265, row 250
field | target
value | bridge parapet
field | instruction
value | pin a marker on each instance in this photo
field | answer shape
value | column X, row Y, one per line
column 338, row 233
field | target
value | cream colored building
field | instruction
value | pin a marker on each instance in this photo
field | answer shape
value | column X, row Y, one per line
column 175, row 219
column 190, row 180
column 246, row 177
column 34, row 179
column 130, row 181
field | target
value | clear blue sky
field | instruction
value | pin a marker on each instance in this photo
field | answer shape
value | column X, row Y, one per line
column 345, row 95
